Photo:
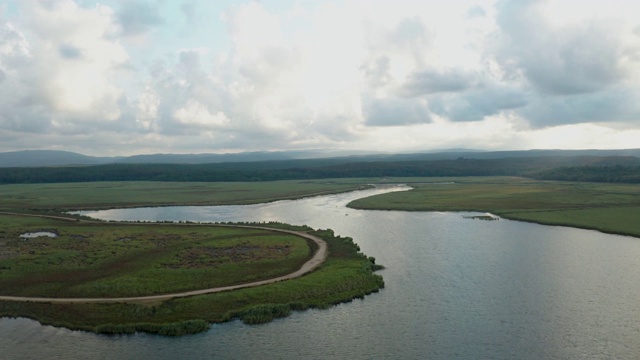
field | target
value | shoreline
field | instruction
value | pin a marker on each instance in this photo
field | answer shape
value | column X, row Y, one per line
column 333, row 274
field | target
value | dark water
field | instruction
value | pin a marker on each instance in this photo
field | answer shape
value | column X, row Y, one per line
column 456, row 288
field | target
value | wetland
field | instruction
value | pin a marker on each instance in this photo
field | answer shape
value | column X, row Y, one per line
column 454, row 288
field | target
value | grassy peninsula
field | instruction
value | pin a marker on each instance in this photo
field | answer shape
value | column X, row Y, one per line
column 98, row 259
column 345, row 275
column 607, row 207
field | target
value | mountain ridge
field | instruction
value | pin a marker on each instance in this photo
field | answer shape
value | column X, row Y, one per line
column 45, row 158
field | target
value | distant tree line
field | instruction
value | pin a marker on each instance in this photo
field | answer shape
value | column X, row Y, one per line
column 614, row 174
column 551, row 168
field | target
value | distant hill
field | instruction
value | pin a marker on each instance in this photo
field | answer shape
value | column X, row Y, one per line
column 36, row 158
column 470, row 154
column 204, row 158
column 42, row 158
column 284, row 159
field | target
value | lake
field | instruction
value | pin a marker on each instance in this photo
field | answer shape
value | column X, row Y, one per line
column 455, row 288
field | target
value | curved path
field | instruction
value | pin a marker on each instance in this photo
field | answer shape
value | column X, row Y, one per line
column 318, row 258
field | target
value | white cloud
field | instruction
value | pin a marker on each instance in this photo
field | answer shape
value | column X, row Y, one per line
column 195, row 113
column 334, row 74
column 147, row 109
column 71, row 62
column 584, row 136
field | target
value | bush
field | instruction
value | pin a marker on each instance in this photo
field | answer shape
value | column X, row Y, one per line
column 264, row 313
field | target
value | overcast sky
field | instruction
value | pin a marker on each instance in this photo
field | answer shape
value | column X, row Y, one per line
column 120, row 77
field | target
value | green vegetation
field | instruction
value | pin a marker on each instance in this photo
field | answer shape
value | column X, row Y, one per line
column 614, row 174
column 347, row 274
column 611, row 208
column 584, row 168
column 123, row 260
column 120, row 259
column 94, row 259
column 92, row 195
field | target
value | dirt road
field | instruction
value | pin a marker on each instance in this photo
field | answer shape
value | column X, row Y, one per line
column 318, row 258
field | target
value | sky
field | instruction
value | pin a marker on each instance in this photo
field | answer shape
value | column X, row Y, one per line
column 120, row 77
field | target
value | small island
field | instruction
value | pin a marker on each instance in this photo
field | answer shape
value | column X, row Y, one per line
column 482, row 217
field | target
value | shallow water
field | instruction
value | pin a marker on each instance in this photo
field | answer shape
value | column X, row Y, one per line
column 31, row 235
column 455, row 288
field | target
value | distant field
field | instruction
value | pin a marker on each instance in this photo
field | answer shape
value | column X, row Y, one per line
column 24, row 197
column 119, row 260
column 612, row 208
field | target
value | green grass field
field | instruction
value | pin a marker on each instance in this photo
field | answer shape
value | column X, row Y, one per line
column 612, row 208
column 92, row 195
column 121, row 260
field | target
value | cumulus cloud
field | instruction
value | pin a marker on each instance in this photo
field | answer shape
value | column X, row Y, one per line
column 616, row 105
column 479, row 103
column 570, row 59
column 74, row 60
column 146, row 110
column 61, row 67
column 319, row 74
column 195, row 113
column 19, row 107
column 578, row 71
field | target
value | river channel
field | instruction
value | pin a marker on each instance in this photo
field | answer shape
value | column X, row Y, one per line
column 456, row 288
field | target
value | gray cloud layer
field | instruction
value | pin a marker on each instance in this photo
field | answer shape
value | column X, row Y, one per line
column 433, row 81
column 551, row 76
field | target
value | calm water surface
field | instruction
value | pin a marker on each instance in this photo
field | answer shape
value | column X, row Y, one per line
column 455, row 288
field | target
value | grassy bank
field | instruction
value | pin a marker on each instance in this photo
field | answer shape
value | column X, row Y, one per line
column 347, row 274
column 611, row 208
column 92, row 195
